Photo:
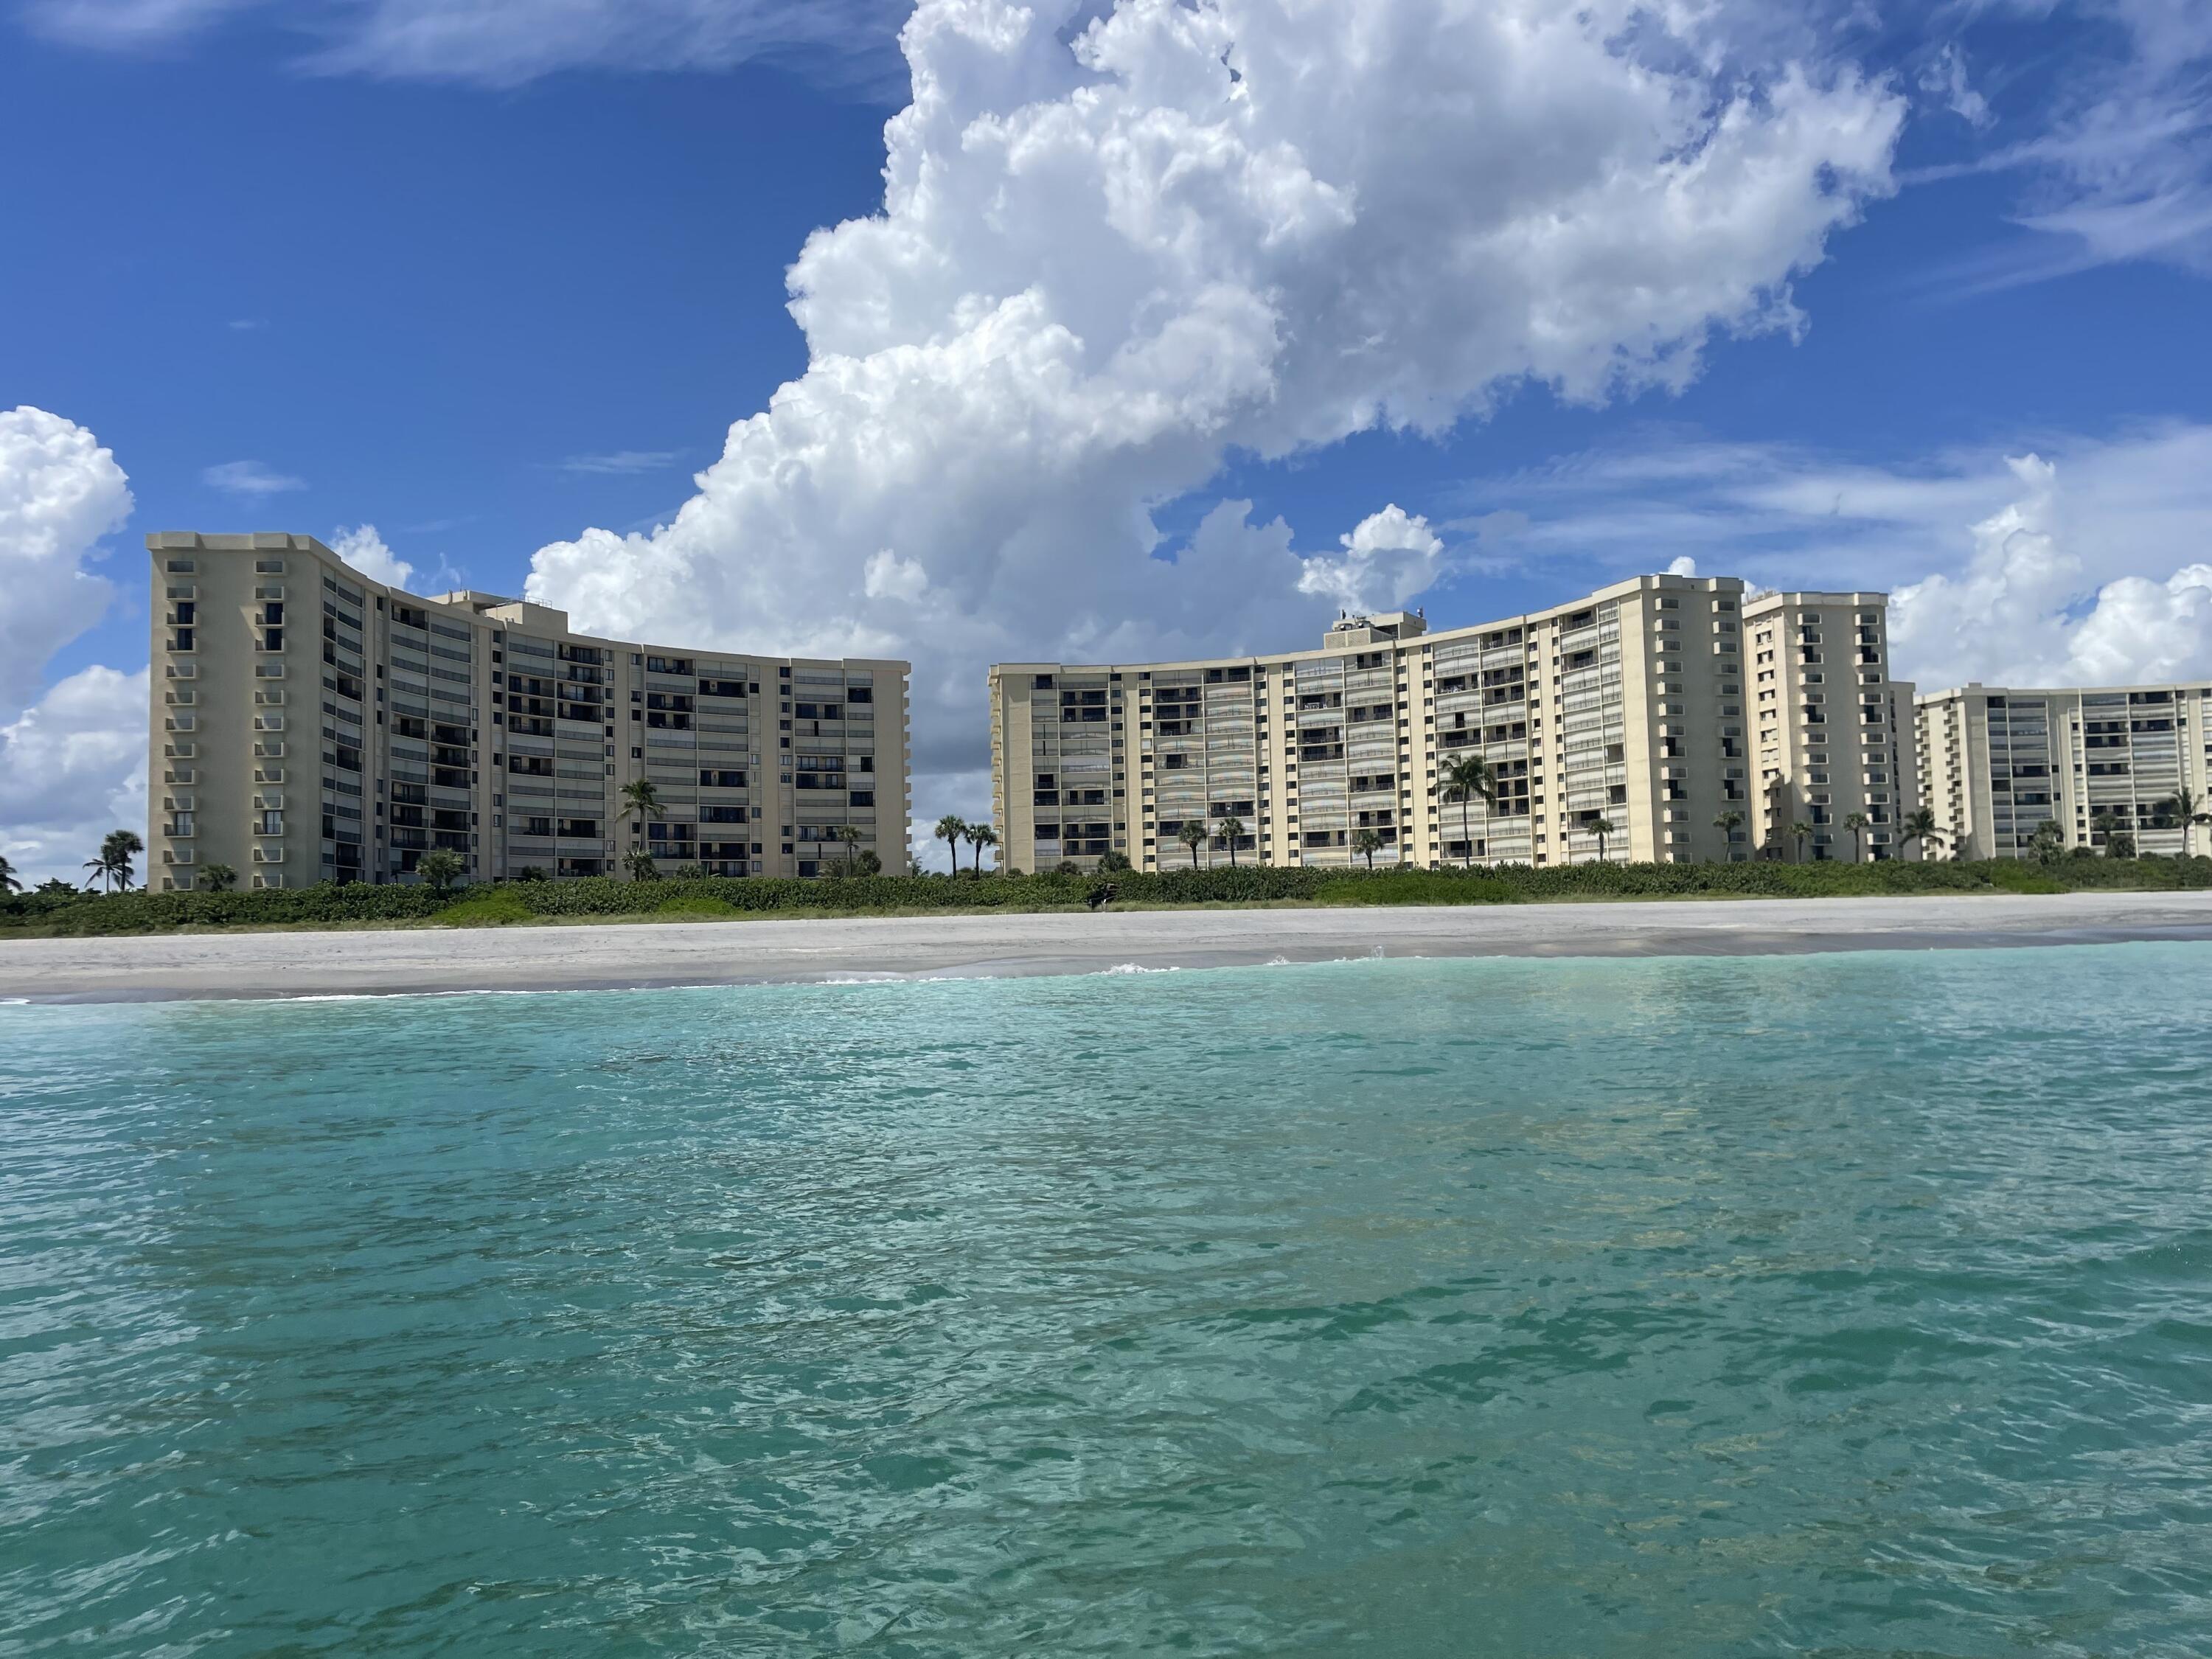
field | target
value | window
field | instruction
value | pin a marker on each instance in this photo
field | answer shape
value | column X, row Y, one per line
column 182, row 640
column 178, row 567
column 271, row 823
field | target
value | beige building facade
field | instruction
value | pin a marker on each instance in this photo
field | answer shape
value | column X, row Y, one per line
column 310, row 725
column 1999, row 761
column 1656, row 705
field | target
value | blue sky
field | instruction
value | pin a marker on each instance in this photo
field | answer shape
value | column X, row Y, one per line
column 298, row 270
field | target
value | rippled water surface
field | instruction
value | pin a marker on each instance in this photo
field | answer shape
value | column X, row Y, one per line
column 1842, row 1305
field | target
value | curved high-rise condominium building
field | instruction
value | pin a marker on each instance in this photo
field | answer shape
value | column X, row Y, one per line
column 310, row 725
column 1999, row 761
column 1697, row 721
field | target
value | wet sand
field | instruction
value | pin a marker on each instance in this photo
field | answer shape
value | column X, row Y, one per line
column 781, row 950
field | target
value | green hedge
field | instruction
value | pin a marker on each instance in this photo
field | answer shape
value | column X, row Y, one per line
column 140, row 912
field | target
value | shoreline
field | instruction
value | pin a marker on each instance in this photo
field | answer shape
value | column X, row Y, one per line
column 224, row 967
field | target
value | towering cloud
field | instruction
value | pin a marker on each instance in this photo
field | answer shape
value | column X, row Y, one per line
column 60, row 492
column 1119, row 246
column 2029, row 609
column 77, row 755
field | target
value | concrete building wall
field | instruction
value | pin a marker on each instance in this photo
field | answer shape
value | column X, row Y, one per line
column 1628, row 705
column 1998, row 761
column 1831, row 745
column 311, row 724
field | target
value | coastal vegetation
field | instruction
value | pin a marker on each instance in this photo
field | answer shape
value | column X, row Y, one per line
column 59, row 909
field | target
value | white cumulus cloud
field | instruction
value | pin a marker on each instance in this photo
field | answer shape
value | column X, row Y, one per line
column 74, row 757
column 2025, row 610
column 1120, row 245
column 1391, row 556
column 60, row 493
column 364, row 549
column 72, row 767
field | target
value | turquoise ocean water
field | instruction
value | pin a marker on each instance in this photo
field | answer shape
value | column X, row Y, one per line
column 1847, row 1305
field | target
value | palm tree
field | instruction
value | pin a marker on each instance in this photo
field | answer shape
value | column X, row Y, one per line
column 216, row 878
column 8, row 883
column 1727, row 824
column 640, row 865
column 1229, row 828
column 641, row 801
column 2186, row 807
column 981, row 835
column 1601, row 826
column 2119, row 840
column 1922, row 826
column 2048, row 843
column 850, row 835
column 1858, row 823
column 950, row 828
column 441, row 867
column 1800, row 833
column 121, row 847
column 1467, row 778
column 111, row 868
column 1192, row 835
column 1369, row 843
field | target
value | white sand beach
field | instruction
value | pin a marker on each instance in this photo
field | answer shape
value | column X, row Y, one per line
column 783, row 950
